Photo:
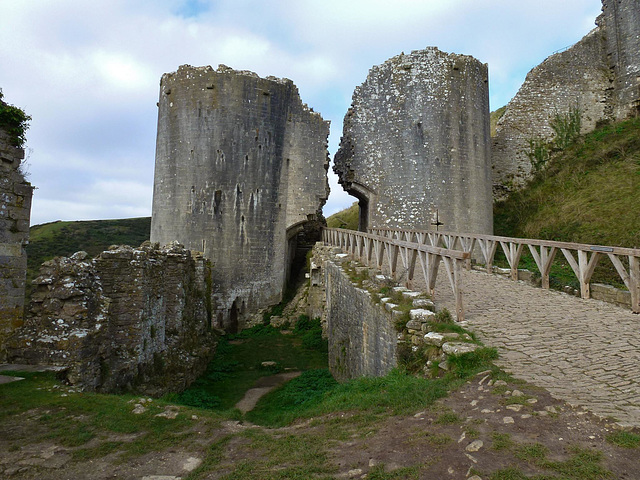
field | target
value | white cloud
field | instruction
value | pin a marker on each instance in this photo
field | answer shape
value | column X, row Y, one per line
column 88, row 72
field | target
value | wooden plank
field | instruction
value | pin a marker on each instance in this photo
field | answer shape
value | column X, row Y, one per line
column 412, row 264
column 634, row 282
column 572, row 262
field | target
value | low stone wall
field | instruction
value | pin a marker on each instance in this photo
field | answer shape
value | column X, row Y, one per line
column 362, row 337
column 130, row 319
column 610, row 294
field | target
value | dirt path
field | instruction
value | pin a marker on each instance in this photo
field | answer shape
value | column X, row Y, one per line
column 262, row 387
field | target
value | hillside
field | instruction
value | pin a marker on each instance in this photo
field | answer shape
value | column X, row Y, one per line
column 65, row 238
column 588, row 193
column 347, row 218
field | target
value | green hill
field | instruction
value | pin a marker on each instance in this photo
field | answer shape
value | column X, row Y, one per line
column 347, row 218
column 587, row 193
column 65, row 238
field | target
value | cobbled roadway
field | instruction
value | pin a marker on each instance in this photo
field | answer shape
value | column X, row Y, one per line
column 585, row 352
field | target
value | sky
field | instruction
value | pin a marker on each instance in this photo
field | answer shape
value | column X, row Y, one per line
column 88, row 72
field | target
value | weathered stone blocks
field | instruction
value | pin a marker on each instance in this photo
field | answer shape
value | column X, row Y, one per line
column 240, row 169
column 129, row 319
column 15, row 211
column 600, row 75
column 416, row 144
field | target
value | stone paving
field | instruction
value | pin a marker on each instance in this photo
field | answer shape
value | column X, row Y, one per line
column 585, row 352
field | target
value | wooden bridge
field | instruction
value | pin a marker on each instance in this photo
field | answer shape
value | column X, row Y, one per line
column 454, row 250
column 585, row 352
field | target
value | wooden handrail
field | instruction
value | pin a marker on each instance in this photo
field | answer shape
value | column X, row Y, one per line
column 372, row 249
column 543, row 252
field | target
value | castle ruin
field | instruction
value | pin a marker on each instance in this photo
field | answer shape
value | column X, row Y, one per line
column 599, row 76
column 15, row 212
column 415, row 147
column 241, row 168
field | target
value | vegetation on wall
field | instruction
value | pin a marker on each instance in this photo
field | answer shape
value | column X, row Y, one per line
column 566, row 127
column 14, row 121
column 588, row 192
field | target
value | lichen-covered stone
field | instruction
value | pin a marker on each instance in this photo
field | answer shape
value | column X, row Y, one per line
column 454, row 348
column 132, row 318
column 15, row 212
column 241, row 168
column 416, row 142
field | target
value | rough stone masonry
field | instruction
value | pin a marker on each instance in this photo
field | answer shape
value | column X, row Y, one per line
column 599, row 75
column 15, row 212
column 240, row 169
column 416, row 144
column 128, row 319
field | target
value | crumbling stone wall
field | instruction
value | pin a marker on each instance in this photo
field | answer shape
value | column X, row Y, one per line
column 362, row 337
column 416, row 142
column 578, row 77
column 600, row 75
column 240, row 167
column 621, row 22
column 128, row 319
column 15, row 212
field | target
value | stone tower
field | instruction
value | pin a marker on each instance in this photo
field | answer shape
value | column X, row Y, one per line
column 621, row 22
column 241, row 167
column 15, row 212
column 416, row 144
column 599, row 75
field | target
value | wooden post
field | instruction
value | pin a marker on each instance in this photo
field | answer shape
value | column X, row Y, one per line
column 634, row 282
column 458, row 289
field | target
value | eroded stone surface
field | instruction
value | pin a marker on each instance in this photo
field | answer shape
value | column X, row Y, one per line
column 416, row 142
column 241, row 167
column 122, row 320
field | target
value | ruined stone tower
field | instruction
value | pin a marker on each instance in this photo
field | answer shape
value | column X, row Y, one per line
column 621, row 23
column 416, row 143
column 240, row 169
column 599, row 75
column 15, row 212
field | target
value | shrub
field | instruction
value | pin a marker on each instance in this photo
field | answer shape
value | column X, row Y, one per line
column 14, row 121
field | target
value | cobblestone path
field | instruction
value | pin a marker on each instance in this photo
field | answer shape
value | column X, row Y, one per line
column 585, row 352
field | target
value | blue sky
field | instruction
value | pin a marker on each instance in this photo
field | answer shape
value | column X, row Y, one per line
column 89, row 72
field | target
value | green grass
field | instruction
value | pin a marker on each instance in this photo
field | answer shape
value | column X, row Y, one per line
column 237, row 363
column 73, row 419
column 586, row 194
column 347, row 218
column 583, row 463
column 624, row 439
column 494, row 117
column 58, row 239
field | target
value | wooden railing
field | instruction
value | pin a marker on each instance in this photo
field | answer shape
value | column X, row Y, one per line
column 581, row 257
column 374, row 249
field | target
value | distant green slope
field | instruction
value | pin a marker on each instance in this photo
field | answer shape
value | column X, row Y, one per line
column 494, row 117
column 588, row 193
column 65, row 238
column 347, row 218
